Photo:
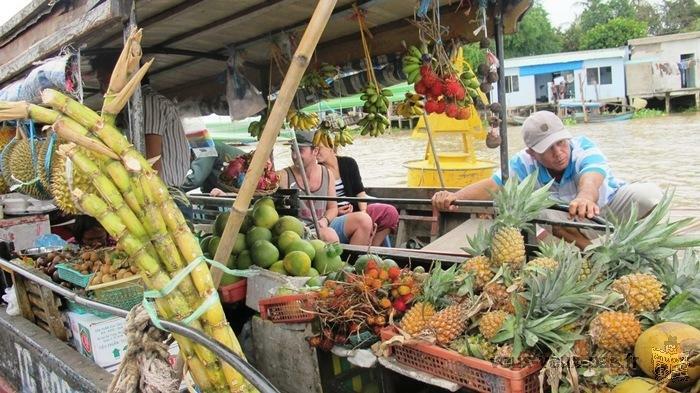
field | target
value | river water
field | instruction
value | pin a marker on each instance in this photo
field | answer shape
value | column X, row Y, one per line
column 664, row 150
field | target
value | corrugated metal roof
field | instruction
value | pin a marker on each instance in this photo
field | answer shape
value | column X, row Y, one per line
column 566, row 57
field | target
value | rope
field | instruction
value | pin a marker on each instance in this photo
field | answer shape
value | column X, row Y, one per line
column 212, row 299
column 360, row 15
column 145, row 367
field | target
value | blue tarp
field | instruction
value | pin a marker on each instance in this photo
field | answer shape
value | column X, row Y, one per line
column 549, row 68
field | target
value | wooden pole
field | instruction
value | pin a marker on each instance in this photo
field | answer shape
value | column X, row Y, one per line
column 297, row 67
column 432, row 149
column 583, row 99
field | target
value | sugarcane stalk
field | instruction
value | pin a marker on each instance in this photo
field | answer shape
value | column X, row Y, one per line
column 175, row 222
column 126, row 65
column 119, row 100
column 152, row 273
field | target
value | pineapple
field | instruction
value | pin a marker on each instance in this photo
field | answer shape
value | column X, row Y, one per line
column 639, row 244
column 448, row 324
column 506, row 357
column 516, row 204
column 480, row 267
column 615, row 331
column 545, row 263
column 642, row 291
column 500, row 298
column 416, row 319
column 475, row 346
column 491, row 323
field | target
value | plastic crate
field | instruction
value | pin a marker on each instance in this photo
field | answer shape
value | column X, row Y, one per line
column 472, row 373
column 67, row 273
column 288, row 308
column 80, row 309
column 122, row 294
column 233, row 293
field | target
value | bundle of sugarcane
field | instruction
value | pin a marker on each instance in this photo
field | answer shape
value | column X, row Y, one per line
column 134, row 206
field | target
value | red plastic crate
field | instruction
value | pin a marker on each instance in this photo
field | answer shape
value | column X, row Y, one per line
column 472, row 373
column 288, row 308
column 233, row 293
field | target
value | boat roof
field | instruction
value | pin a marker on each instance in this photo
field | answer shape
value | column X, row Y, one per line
column 190, row 39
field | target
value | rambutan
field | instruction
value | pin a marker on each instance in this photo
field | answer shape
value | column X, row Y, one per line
column 432, row 106
column 451, row 110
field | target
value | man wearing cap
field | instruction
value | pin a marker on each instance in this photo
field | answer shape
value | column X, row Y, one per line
column 579, row 173
column 352, row 228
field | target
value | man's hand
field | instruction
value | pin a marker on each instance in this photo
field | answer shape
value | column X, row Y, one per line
column 345, row 209
column 583, row 208
column 442, row 200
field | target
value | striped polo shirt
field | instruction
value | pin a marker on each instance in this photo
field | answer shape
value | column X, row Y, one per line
column 161, row 118
column 585, row 158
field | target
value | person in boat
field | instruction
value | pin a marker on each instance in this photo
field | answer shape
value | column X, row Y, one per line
column 580, row 176
column 352, row 228
column 349, row 183
column 204, row 171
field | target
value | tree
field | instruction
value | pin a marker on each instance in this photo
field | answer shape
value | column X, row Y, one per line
column 597, row 12
column 474, row 55
column 679, row 16
column 535, row 35
column 616, row 32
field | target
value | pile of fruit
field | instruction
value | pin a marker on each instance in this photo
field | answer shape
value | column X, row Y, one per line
column 625, row 307
column 233, row 174
column 316, row 81
column 47, row 263
column 446, row 90
column 354, row 306
column 106, row 265
column 275, row 243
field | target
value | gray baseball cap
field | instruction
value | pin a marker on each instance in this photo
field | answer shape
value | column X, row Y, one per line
column 304, row 138
column 543, row 129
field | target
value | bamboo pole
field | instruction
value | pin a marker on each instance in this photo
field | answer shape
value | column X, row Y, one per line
column 432, row 150
column 296, row 70
column 306, row 189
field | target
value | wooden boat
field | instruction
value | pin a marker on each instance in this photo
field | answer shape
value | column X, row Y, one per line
column 592, row 118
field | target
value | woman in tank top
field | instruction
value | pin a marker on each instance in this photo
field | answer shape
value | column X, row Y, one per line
column 354, row 228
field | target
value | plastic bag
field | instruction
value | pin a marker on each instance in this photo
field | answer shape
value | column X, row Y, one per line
column 244, row 99
column 10, row 297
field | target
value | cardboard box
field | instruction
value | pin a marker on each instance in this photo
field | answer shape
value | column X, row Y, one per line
column 100, row 339
column 24, row 230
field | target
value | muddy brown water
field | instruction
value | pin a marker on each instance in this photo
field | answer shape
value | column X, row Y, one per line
column 664, row 150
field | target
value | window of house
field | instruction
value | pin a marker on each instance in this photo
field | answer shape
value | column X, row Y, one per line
column 599, row 76
column 512, row 83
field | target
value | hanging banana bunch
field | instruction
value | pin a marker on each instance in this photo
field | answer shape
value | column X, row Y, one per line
column 412, row 61
column 376, row 104
column 411, row 106
column 302, row 121
column 255, row 128
column 332, row 132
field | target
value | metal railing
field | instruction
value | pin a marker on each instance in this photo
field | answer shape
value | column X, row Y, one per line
column 243, row 367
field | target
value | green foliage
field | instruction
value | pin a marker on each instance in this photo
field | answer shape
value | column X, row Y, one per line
column 598, row 12
column 615, row 32
column 647, row 113
column 474, row 55
column 535, row 35
column 679, row 16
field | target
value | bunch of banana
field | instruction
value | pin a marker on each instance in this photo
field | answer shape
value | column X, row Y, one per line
column 412, row 62
column 328, row 71
column 376, row 99
column 411, row 106
column 302, row 121
column 343, row 137
column 256, row 128
column 323, row 137
column 471, row 82
column 374, row 124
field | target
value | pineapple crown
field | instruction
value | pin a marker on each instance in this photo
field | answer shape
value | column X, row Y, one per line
column 557, row 250
column 640, row 244
column 439, row 283
column 556, row 300
column 478, row 244
column 681, row 308
column 517, row 203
